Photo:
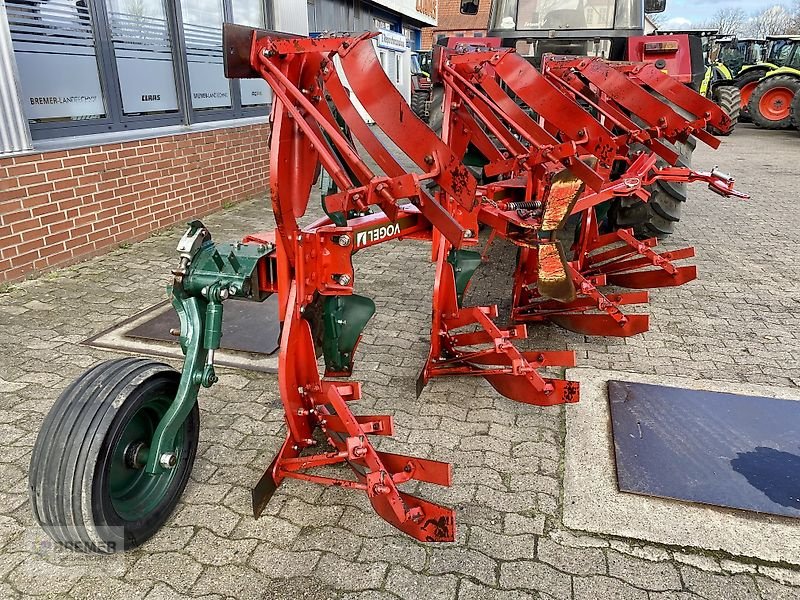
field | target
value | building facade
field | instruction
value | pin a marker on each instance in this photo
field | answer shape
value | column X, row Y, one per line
column 451, row 23
column 116, row 119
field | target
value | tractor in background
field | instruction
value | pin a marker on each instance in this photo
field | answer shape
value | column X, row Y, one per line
column 717, row 82
column 774, row 84
column 740, row 54
column 421, row 85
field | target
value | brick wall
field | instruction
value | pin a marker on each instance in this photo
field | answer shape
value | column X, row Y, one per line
column 451, row 21
column 60, row 207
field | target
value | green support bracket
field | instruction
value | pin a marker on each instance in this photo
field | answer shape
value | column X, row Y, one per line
column 465, row 263
column 344, row 319
column 207, row 275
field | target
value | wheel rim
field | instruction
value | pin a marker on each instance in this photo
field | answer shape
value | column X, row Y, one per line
column 747, row 91
column 135, row 494
column 774, row 104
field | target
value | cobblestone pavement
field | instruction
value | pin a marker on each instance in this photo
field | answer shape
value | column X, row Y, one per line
column 739, row 322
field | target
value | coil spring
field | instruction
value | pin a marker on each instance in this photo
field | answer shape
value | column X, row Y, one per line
column 531, row 205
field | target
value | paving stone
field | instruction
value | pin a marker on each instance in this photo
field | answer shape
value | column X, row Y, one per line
column 502, row 546
column 209, row 549
column 718, row 587
column 340, row 542
column 463, row 561
column 585, row 561
column 656, row 576
column 348, row 575
column 472, row 591
column 276, row 562
column 394, row 550
column 705, row 563
column 598, row 587
column 177, row 570
column 529, row 575
column 218, row 519
column 773, row 590
column 514, row 524
column 414, row 586
column 38, row 577
column 235, row 581
column 779, row 574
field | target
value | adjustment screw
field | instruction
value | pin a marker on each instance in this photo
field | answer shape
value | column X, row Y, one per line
column 168, row 460
column 343, row 279
column 344, row 240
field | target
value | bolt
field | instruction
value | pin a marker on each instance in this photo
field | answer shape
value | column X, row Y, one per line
column 224, row 293
column 428, row 159
column 468, row 234
column 344, row 240
column 343, row 279
column 233, row 290
column 168, row 460
column 379, row 489
column 175, row 331
column 359, row 452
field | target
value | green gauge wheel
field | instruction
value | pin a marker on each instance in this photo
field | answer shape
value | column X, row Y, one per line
column 88, row 486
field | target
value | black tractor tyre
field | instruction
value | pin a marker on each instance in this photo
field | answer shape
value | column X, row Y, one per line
column 776, row 114
column 436, row 118
column 657, row 216
column 729, row 99
column 419, row 101
column 747, row 79
column 87, row 484
column 796, row 111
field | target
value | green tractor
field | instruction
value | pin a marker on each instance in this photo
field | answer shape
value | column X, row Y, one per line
column 774, row 93
column 717, row 83
column 777, row 51
column 421, row 85
column 740, row 54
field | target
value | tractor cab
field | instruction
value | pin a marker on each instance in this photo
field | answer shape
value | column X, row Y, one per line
column 784, row 51
column 576, row 27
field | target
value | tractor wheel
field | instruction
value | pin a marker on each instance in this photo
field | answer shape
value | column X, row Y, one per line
column 657, row 216
column 436, row 117
column 729, row 99
column 796, row 111
column 770, row 104
column 418, row 101
column 88, row 487
column 747, row 83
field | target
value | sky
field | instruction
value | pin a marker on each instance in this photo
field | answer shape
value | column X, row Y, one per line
column 681, row 13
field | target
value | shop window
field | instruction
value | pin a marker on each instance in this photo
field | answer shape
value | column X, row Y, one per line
column 95, row 66
column 142, row 43
column 202, row 28
column 251, row 12
column 54, row 43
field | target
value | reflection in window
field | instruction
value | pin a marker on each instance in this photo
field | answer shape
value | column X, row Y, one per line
column 143, row 52
column 55, row 51
column 251, row 13
column 202, row 27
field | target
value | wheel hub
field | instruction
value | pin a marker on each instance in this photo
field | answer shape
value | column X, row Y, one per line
column 774, row 104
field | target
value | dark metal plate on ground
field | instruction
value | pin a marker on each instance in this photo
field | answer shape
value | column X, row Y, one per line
column 246, row 326
column 250, row 334
column 709, row 447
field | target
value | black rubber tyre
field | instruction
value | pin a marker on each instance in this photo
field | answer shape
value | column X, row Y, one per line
column 436, row 117
column 418, row 104
column 81, row 441
column 746, row 82
column 657, row 216
column 729, row 99
column 773, row 114
column 796, row 111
